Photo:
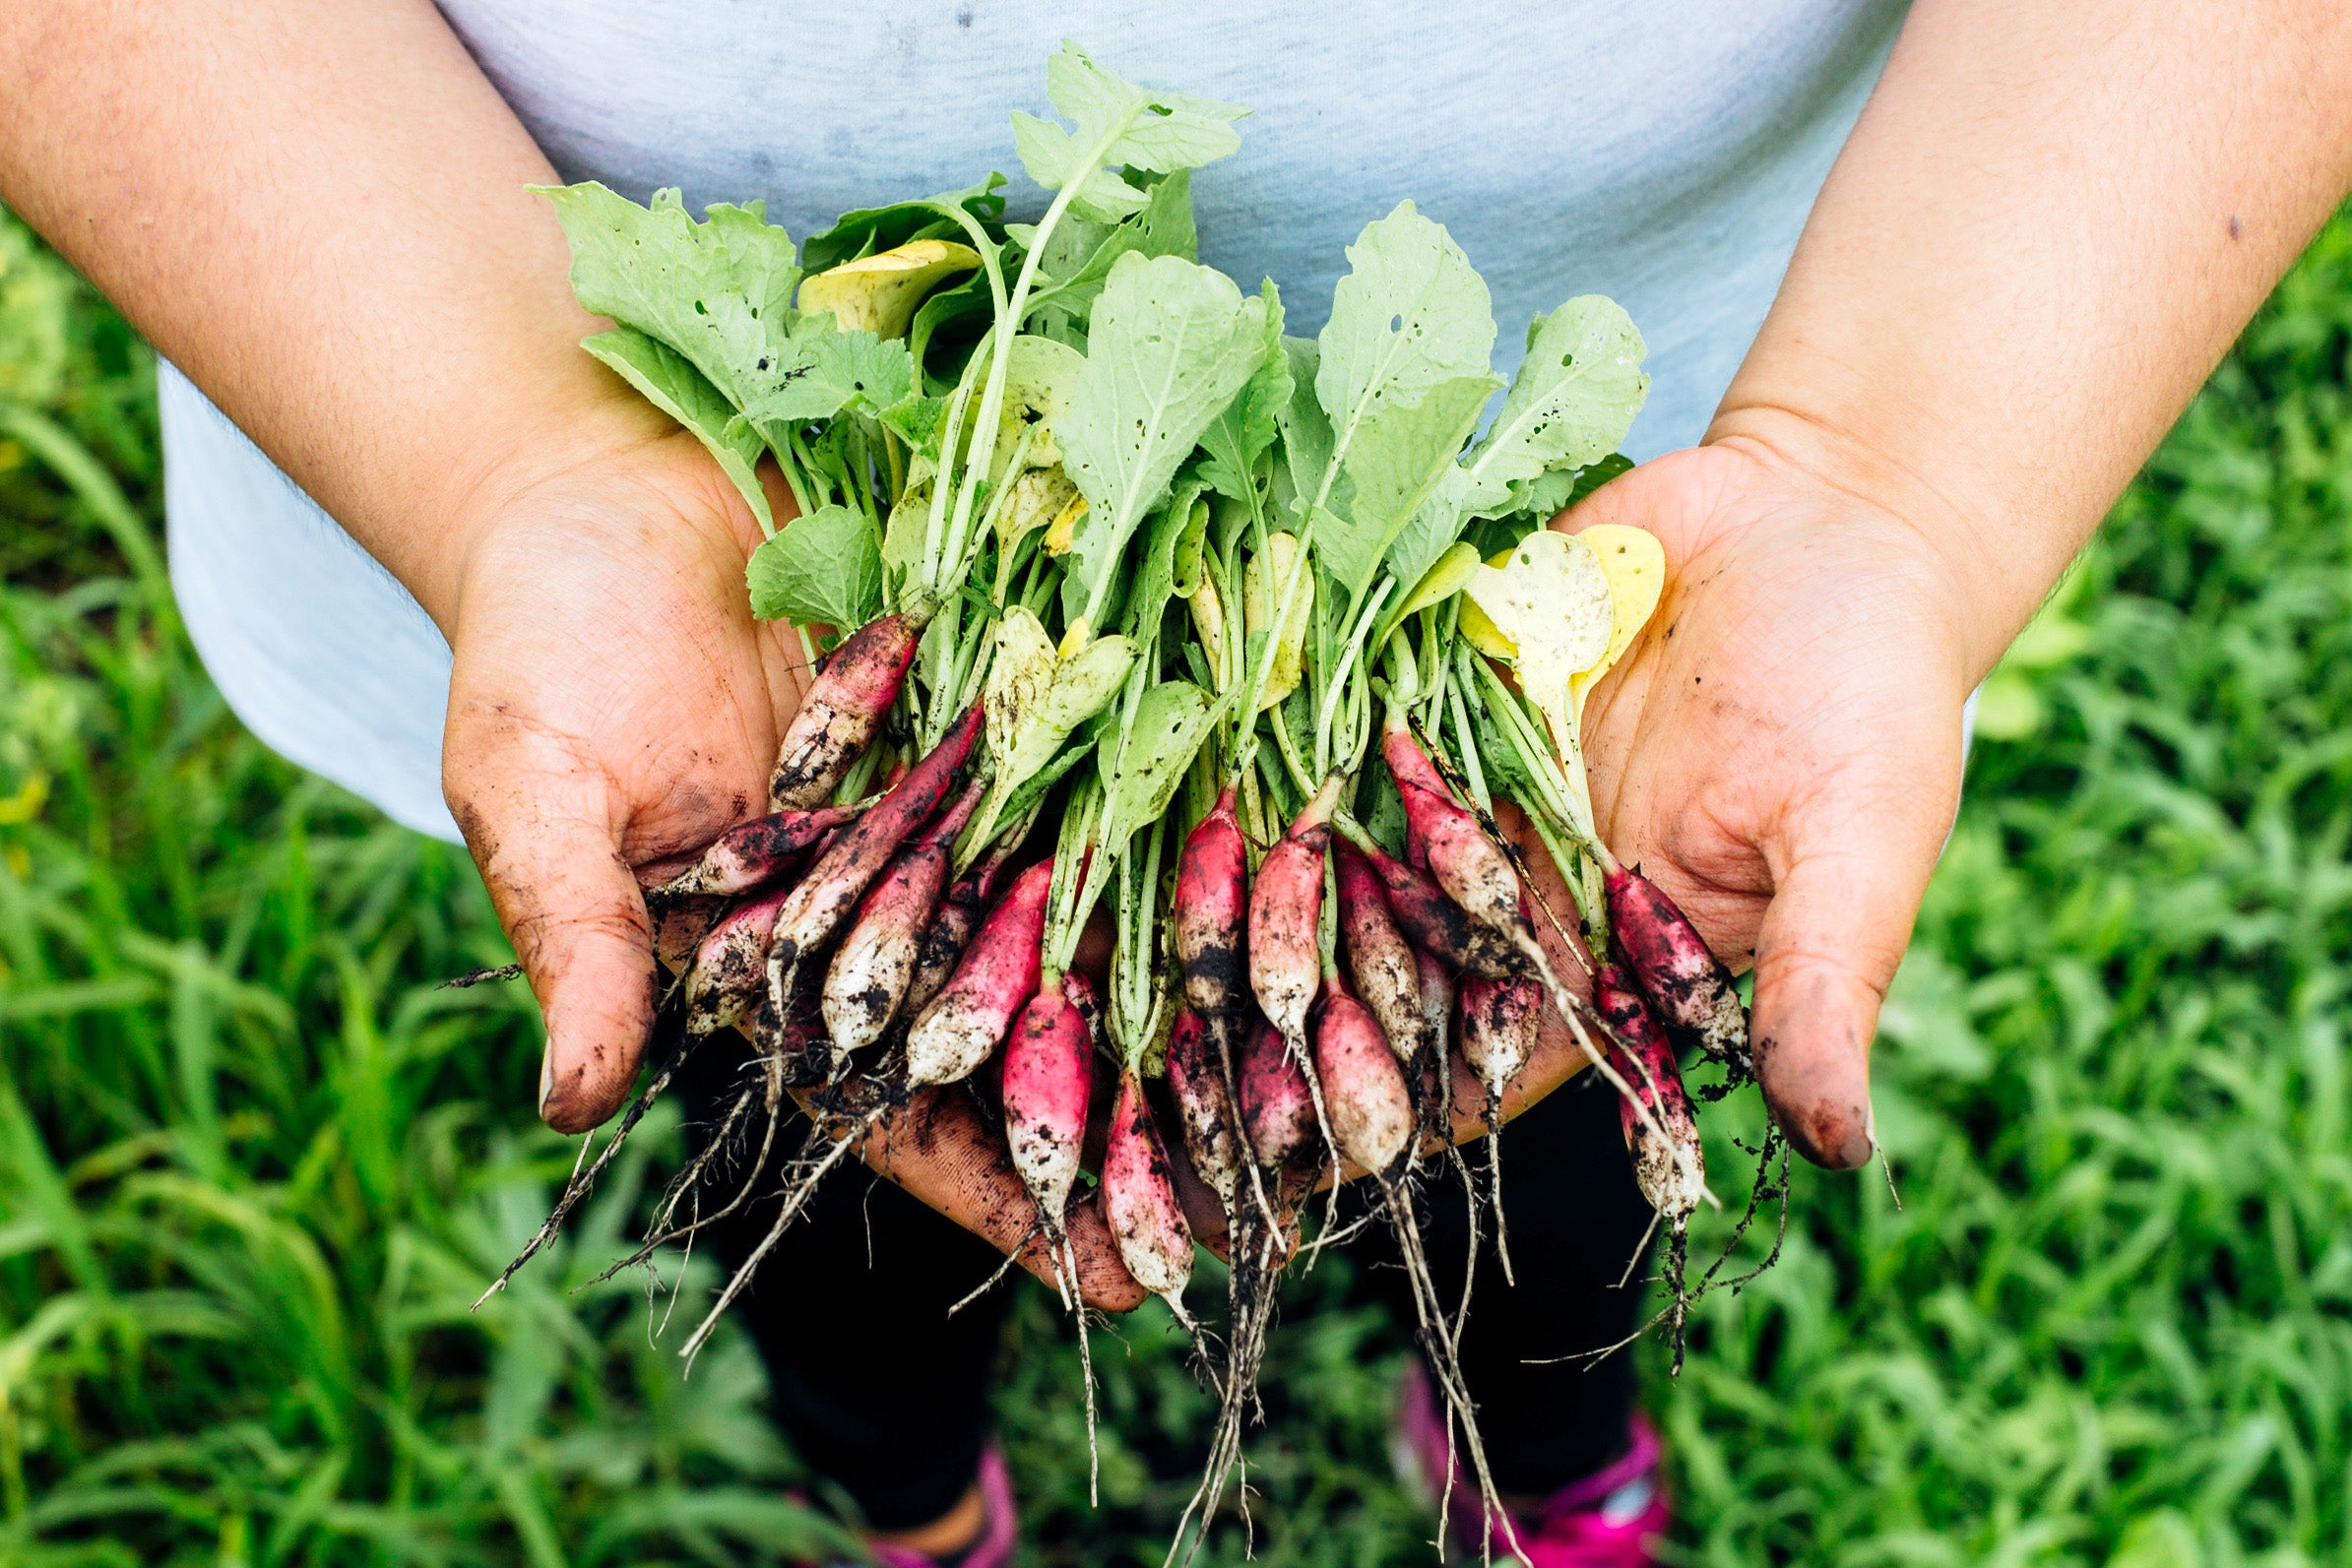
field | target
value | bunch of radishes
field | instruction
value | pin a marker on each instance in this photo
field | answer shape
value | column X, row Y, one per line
column 1083, row 536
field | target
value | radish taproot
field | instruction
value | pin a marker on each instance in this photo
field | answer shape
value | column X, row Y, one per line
column 871, row 969
column 1206, row 1112
column 1139, row 1200
column 840, row 711
column 993, row 983
column 753, row 852
column 831, row 888
column 1285, row 904
column 1380, row 962
column 1681, row 975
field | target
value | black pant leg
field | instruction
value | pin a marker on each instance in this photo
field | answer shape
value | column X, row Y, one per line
column 1575, row 1218
column 876, row 1386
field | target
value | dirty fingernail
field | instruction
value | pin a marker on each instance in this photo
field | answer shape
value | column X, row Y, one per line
column 546, row 1076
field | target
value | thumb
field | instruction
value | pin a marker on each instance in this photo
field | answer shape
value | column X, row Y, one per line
column 543, row 825
column 1831, row 939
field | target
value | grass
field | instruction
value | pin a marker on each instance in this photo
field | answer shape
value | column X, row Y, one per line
column 253, row 1168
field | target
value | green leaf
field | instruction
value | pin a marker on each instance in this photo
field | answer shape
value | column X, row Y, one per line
column 1306, row 431
column 718, row 291
column 1185, row 518
column 969, row 299
column 1118, row 123
column 915, row 419
column 1590, row 479
column 1080, row 253
column 1402, row 371
column 1172, row 343
column 824, row 370
column 1429, row 535
column 683, row 393
column 1403, row 452
column 1571, row 401
column 1238, row 437
column 1411, row 314
column 1034, row 700
column 1170, row 721
column 866, row 230
column 823, row 569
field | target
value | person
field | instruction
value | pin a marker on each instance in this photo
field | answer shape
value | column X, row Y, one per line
column 1923, row 287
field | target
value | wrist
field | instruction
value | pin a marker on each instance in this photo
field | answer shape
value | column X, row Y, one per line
column 1992, row 592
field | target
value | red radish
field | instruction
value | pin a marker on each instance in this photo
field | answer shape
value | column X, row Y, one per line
column 1204, row 1107
column 868, row 980
column 680, row 925
column 1434, row 923
column 951, row 928
column 994, row 981
column 730, row 970
column 840, row 711
column 1048, row 1075
column 755, row 851
column 1677, row 971
column 1436, row 998
column 1668, row 1160
column 831, row 888
column 1089, row 1002
column 1379, row 960
column 1363, row 1090
column 1285, row 908
column 1212, row 905
column 1277, row 1108
column 1139, row 1200
column 943, row 943
column 1470, row 866
column 1500, row 1018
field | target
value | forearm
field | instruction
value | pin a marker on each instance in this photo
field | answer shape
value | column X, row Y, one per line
column 319, row 214
column 2047, row 227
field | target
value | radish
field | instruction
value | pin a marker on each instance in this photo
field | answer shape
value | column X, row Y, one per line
column 1472, row 870
column 1048, row 1078
column 1285, row 908
column 1661, row 1133
column 840, row 711
column 729, row 971
column 830, row 890
column 1371, row 1119
column 1363, row 1089
column 1498, row 1030
column 869, row 976
column 950, row 932
column 1668, row 1160
column 1435, row 923
column 752, row 853
column 1206, row 1112
column 1677, row 971
column 991, row 984
column 1212, row 906
column 1277, row 1107
column 943, row 941
column 1139, row 1200
column 1382, row 963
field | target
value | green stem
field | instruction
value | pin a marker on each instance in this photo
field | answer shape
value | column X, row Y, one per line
column 992, row 403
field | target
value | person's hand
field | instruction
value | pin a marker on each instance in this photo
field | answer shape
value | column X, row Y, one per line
column 612, row 708
column 1781, row 750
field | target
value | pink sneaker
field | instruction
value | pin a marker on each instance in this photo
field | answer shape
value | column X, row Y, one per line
column 1611, row 1518
column 999, row 1533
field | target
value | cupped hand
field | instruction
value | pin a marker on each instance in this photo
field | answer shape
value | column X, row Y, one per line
column 1781, row 750
column 612, row 708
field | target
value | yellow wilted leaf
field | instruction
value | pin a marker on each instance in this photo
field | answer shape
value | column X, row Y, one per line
column 879, row 293
column 1634, row 563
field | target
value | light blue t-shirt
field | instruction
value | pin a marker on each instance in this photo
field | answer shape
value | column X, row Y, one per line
column 1664, row 155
